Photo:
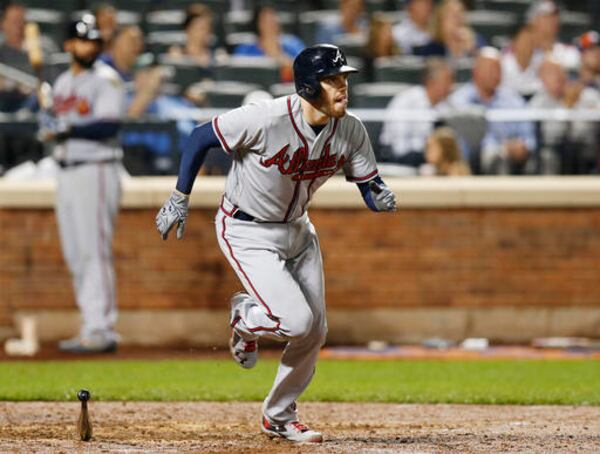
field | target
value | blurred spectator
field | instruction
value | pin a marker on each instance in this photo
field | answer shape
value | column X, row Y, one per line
column 452, row 37
column 128, row 44
column 380, row 43
column 13, row 53
column 407, row 139
column 507, row 147
column 413, row 31
column 589, row 71
column 381, row 39
column 569, row 147
column 106, row 18
column 271, row 42
column 443, row 156
column 198, row 28
column 520, row 65
column 16, row 148
column 351, row 20
column 544, row 18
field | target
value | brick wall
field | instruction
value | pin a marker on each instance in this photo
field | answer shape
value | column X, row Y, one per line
column 414, row 258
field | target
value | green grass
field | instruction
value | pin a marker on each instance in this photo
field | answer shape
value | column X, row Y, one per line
column 482, row 382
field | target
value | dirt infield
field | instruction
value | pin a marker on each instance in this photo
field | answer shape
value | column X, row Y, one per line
column 232, row 427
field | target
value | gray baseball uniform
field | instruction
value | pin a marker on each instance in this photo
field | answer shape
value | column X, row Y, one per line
column 278, row 164
column 89, row 191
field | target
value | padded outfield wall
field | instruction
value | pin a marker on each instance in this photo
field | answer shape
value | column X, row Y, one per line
column 505, row 258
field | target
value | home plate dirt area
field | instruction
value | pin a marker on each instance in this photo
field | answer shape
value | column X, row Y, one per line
column 347, row 427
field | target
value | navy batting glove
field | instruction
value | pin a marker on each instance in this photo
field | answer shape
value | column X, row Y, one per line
column 377, row 195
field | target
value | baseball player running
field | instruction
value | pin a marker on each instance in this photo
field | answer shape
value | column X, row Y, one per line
column 283, row 150
column 88, row 101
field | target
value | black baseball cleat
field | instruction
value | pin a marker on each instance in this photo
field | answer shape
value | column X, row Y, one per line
column 294, row 431
column 94, row 343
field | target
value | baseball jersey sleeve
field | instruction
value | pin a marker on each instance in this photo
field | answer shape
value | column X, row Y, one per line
column 109, row 103
column 361, row 165
column 241, row 129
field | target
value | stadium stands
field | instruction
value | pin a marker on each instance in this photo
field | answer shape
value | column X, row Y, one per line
column 225, row 82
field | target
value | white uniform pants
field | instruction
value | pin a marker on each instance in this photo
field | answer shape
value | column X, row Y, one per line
column 86, row 206
column 281, row 268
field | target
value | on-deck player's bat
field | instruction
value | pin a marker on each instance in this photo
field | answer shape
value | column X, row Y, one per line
column 84, row 425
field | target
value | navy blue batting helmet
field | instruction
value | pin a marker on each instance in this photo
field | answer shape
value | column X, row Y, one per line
column 84, row 28
column 314, row 64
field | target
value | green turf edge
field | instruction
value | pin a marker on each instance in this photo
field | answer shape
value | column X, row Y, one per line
column 523, row 382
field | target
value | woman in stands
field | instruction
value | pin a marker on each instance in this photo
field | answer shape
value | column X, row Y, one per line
column 452, row 37
column 381, row 42
column 443, row 155
column 198, row 26
column 271, row 42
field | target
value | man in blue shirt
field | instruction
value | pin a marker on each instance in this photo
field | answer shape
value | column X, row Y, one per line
column 508, row 147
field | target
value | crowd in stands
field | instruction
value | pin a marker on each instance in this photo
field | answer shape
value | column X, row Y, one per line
column 456, row 58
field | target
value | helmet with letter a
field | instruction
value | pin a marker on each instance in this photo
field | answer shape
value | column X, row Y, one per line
column 84, row 28
column 314, row 64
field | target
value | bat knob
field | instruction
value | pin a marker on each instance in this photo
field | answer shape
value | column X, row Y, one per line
column 83, row 395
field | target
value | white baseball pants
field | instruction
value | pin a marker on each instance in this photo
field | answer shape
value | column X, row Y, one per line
column 281, row 268
column 87, row 202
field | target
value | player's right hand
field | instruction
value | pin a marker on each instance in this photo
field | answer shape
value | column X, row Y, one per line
column 174, row 211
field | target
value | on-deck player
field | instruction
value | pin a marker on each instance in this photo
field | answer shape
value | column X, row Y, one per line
column 88, row 103
column 283, row 150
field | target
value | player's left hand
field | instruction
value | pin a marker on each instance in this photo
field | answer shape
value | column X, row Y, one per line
column 174, row 211
column 51, row 129
column 383, row 198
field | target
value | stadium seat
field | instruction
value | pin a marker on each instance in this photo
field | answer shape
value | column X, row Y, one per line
column 150, row 147
column 224, row 94
column 51, row 22
column 376, row 95
column 235, row 39
column 518, row 7
column 262, row 71
column 165, row 20
column 186, row 71
column 309, row 21
column 463, row 70
column 492, row 23
column 173, row 19
column 123, row 17
column 160, row 42
column 352, row 45
column 470, row 125
column 217, row 6
column 65, row 6
column 241, row 21
column 573, row 24
column 406, row 69
column 296, row 6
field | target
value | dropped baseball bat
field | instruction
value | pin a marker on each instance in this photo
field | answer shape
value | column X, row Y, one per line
column 84, row 425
